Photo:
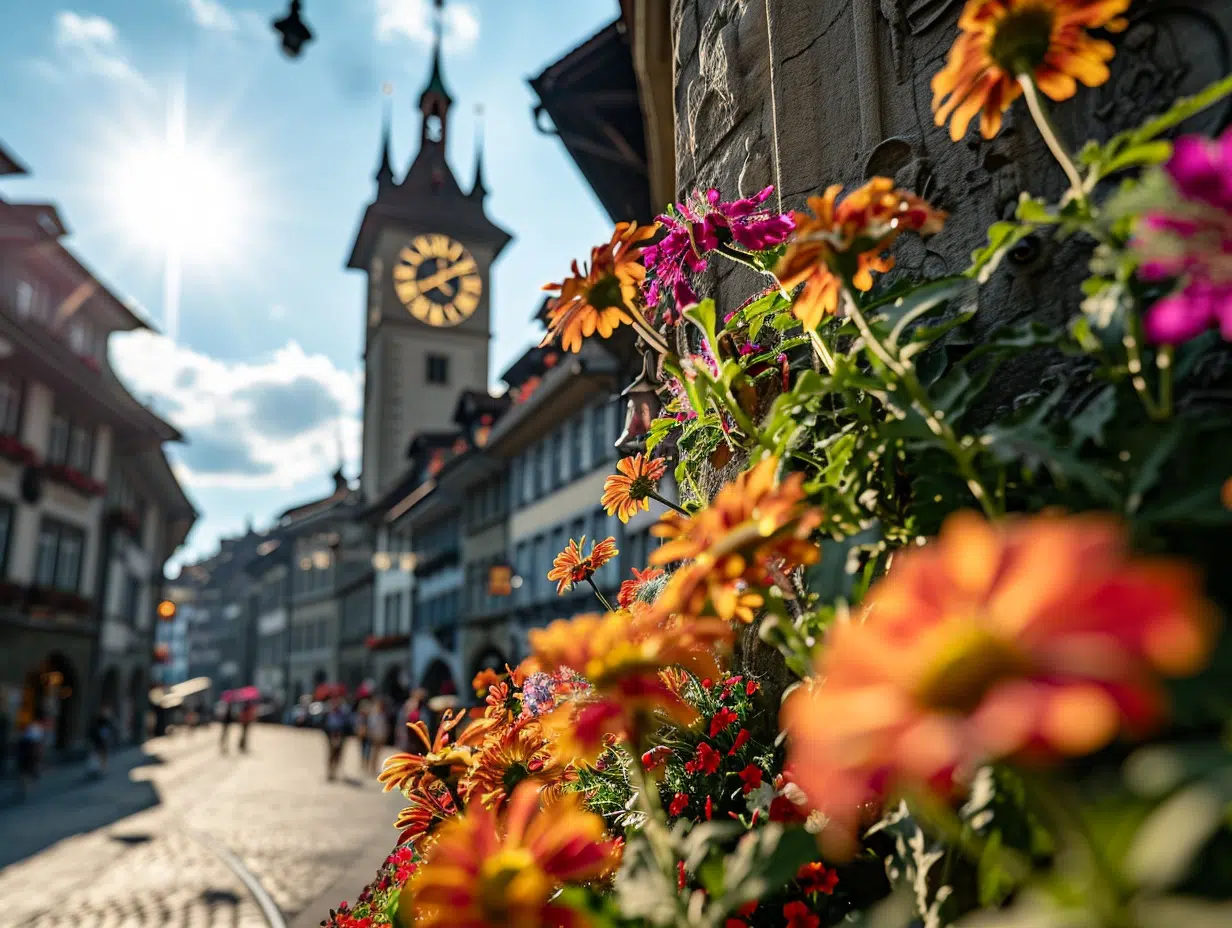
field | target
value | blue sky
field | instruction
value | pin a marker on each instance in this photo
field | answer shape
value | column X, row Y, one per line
column 259, row 362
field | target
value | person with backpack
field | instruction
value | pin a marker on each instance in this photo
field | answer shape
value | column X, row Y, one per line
column 100, row 735
column 337, row 726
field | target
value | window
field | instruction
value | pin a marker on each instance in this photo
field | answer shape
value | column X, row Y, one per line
column 598, row 435
column 58, row 561
column 576, row 440
column 556, row 450
column 25, row 298
column 10, row 406
column 70, row 444
column 438, row 369
column 6, row 526
column 515, row 480
column 81, row 336
column 131, row 599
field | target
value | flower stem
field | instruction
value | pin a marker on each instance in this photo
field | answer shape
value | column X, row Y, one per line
column 655, row 827
column 1133, row 353
column 1163, row 361
column 732, row 255
column 822, row 350
column 1046, row 130
column 648, row 333
column 653, row 494
column 602, row 598
column 919, row 399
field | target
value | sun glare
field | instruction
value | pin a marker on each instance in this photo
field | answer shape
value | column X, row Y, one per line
column 177, row 198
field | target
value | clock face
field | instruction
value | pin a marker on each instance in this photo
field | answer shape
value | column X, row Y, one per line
column 437, row 280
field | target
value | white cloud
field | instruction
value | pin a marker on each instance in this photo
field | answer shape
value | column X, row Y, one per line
column 90, row 45
column 412, row 19
column 261, row 424
column 213, row 16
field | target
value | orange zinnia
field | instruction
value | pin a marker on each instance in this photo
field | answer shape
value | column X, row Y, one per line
column 629, row 589
column 627, row 492
column 570, row 567
column 621, row 655
column 1001, row 39
column 752, row 526
column 443, row 759
column 603, row 296
column 430, row 805
column 1036, row 638
column 845, row 242
column 485, row 872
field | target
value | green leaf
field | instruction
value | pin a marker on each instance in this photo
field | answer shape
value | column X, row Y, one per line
column 703, row 316
column 765, row 860
column 1033, row 210
column 1152, row 464
column 1088, row 425
column 921, row 299
column 1002, row 236
column 995, row 882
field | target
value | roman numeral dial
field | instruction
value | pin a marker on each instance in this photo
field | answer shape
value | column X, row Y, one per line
column 437, row 280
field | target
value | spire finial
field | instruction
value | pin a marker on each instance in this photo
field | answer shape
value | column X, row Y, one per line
column 385, row 170
column 478, row 190
column 434, row 102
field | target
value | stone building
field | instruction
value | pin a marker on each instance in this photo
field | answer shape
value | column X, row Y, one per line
column 70, row 434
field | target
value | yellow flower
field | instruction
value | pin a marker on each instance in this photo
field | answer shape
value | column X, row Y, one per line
column 486, row 873
column 1002, row 39
column 570, row 567
column 1034, row 639
column 603, row 296
column 627, row 492
column 848, row 239
column 752, row 527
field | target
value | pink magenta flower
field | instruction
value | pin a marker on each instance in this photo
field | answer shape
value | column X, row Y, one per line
column 696, row 228
column 1190, row 241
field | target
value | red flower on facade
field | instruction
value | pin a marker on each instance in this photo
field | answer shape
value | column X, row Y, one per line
column 679, row 803
column 798, row 915
column 751, row 776
column 706, row 760
column 816, row 877
column 722, row 720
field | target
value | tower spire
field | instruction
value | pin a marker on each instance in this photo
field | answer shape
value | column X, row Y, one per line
column 385, row 170
column 478, row 190
column 435, row 101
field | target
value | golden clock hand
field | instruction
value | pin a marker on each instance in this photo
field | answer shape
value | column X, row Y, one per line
column 434, row 281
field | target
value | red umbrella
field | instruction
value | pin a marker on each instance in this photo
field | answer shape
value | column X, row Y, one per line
column 247, row 694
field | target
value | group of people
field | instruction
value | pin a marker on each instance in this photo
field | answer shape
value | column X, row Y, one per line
column 375, row 721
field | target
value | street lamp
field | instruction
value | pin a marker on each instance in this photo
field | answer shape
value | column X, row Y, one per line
column 294, row 31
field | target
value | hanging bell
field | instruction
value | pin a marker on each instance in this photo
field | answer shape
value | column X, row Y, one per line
column 644, row 405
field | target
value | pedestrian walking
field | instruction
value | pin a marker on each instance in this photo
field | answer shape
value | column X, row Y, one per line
column 100, row 736
column 228, row 716
column 248, row 715
column 337, row 725
column 360, row 723
column 378, row 735
column 30, row 752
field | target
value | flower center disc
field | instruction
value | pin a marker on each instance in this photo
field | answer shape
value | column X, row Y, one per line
column 1021, row 42
column 511, row 880
column 965, row 667
column 605, row 293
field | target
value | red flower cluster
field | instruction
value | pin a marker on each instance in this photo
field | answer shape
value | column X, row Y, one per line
column 74, row 479
column 12, row 448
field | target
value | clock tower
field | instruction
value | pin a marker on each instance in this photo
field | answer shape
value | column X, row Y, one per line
column 427, row 248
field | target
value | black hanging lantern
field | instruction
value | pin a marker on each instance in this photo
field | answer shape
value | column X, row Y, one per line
column 294, row 31
column 644, row 405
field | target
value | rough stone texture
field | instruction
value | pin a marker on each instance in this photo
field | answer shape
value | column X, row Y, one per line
column 851, row 89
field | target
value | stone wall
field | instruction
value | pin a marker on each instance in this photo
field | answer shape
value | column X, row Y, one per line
column 807, row 93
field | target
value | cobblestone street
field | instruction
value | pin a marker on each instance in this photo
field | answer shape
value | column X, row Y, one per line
column 213, row 822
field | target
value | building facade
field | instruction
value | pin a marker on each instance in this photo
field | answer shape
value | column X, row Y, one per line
column 69, row 434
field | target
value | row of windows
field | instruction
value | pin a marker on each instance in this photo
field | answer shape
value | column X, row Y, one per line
column 69, row 443
column 312, row 575
column 476, row 600
column 120, row 493
column 271, row 651
column 58, row 561
column 484, row 501
column 574, row 448
column 38, row 303
column 438, row 611
column 310, row 636
column 272, row 595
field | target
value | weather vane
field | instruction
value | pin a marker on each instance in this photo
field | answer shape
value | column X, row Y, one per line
column 294, row 31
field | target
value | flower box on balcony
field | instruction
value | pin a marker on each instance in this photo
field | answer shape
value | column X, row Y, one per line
column 74, row 479
column 386, row 642
column 12, row 448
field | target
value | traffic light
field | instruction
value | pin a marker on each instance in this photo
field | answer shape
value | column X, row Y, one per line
column 166, row 610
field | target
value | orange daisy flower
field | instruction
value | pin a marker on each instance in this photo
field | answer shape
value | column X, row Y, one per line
column 847, row 241
column 442, row 759
column 751, row 526
column 621, row 655
column 1032, row 639
column 430, row 805
column 486, row 679
column 1002, row 39
column 570, row 567
column 485, row 872
column 602, row 296
column 629, row 588
column 520, row 752
column 627, row 492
